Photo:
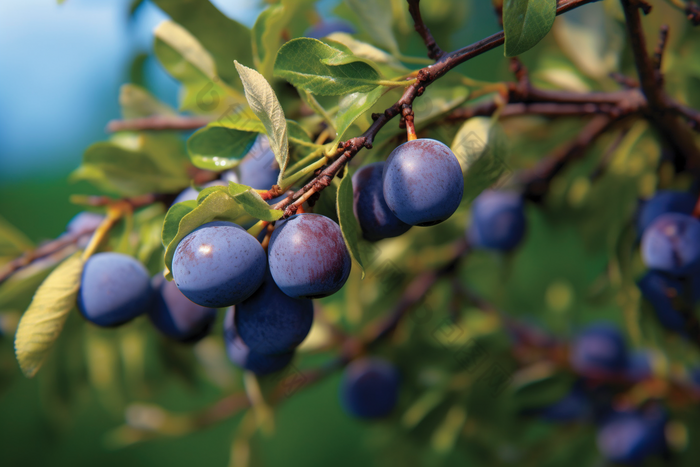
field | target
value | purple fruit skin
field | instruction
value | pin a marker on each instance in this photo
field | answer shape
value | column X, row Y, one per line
column 639, row 366
column 270, row 322
column 666, row 294
column 114, row 289
column 229, row 176
column 308, row 257
column 575, row 405
column 375, row 218
column 629, row 437
column 218, row 265
column 664, row 202
column 370, row 388
column 239, row 353
column 672, row 244
column 327, row 28
column 498, row 220
column 422, row 182
column 599, row 350
column 176, row 316
column 84, row 222
column 259, row 169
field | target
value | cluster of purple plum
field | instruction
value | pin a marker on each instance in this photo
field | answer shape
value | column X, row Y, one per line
column 670, row 247
column 605, row 368
column 268, row 293
column 421, row 183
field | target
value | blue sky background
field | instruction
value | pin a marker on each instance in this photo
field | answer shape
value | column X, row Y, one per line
column 60, row 71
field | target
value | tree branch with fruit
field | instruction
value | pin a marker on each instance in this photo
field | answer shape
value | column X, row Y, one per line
column 259, row 218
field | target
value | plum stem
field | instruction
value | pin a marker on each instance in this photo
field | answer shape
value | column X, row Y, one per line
column 114, row 213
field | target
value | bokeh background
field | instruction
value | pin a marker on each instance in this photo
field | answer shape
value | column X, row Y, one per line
column 61, row 67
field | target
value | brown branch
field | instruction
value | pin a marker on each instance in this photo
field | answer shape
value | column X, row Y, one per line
column 605, row 159
column 690, row 114
column 425, row 77
column 538, row 179
column 677, row 136
column 625, row 81
column 43, row 251
column 544, row 109
column 434, row 51
column 68, row 239
column 414, row 293
column 660, row 47
column 159, row 123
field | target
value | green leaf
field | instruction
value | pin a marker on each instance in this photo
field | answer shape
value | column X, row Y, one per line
column 349, row 226
column 171, row 224
column 221, row 144
column 288, row 18
column 219, row 148
column 253, row 203
column 300, row 61
column 43, row 321
column 526, row 22
column 264, row 104
column 137, row 102
column 592, row 40
column 542, row 391
column 267, row 36
column 376, row 18
column 387, row 64
column 217, row 206
column 187, row 61
column 204, row 193
column 225, row 39
column 130, row 172
column 352, row 106
column 481, row 151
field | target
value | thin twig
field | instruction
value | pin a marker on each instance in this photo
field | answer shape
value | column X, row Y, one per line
column 607, row 155
column 677, row 136
column 624, row 80
column 158, row 123
column 434, row 51
column 660, row 47
column 69, row 239
column 544, row 109
column 538, row 179
column 425, row 77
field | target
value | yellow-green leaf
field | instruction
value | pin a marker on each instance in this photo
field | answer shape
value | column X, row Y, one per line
column 481, row 151
column 187, row 61
column 43, row 321
column 376, row 18
column 253, row 203
column 264, row 104
column 224, row 38
column 136, row 102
